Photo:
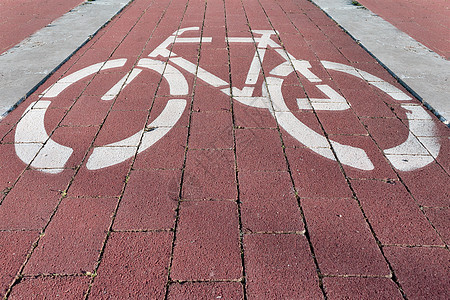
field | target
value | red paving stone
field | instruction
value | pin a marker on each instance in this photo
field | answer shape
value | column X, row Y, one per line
column 429, row 185
column 206, row 290
column 210, row 130
column 361, row 288
column 79, row 116
column 14, row 248
column 235, row 176
column 168, row 153
column 10, row 167
column 316, row 177
column 249, row 117
column 268, row 202
column 440, row 218
column 107, row 182
column 341, row 238
column 135, row 265
column 209, row 174
column 207, row 242
column 27, row 207
column 259, row 150
column 207, row 98
column 393, row 214
column 422, row 272
column 149, row 201
column 114, row 128
column 73, row 240
column 64, row 287
column 280, row 266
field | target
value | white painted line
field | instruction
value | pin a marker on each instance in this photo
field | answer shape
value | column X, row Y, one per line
column 239, row 39
column 422, row 128
column 255, row 67
column 68, row 80
column 352, row 156
column 29, row 136
column 384, row 86
column 114, row 91
column 407, row 162
column 285, row 55
column 416, row 112
column 348, row 155
column 334, row 101
column 193, row 40
column 103, row 157
column 201, row 73
column 302, row 66
column 404, row 156
column 303, row 103
column 411, row 146
column 115, row 153
column 177, row 82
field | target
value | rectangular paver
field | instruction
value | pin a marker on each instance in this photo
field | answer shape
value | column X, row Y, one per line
column 280, row 266
column 207, row 243
column 361, row 288
column 149, row 201
column 26, row 207
column 14, row 248
column 213, row 290
column 134, row 264
column 74, row 287
column 393, row 214
column 268, row 202
column 74, row 239
column 422, row 272
column 209, row 174
column 341, row 238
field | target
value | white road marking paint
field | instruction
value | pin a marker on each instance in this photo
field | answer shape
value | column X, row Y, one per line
column 255, row 67
column 386, row 87
column 201, row 73
column 35, row 147
column 115, row 153
column 114, row 91
column 32, row 143
column 174, row 38
column 245, row 97
column 417, row 151
column 348, row 155
column 66, row 81
column 334, row 101
column 177, row 82
column 301, row 66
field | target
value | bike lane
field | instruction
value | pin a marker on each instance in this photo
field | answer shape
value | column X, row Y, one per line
column 229, row 202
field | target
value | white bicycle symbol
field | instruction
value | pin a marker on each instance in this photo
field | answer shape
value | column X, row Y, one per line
column 33, row 145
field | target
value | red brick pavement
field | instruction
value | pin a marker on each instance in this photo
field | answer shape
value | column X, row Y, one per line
column 228, row 204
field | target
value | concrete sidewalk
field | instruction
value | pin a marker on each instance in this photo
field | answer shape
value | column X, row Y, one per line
column 223, row 150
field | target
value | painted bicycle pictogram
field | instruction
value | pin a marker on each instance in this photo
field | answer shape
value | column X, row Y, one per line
column 412, row 154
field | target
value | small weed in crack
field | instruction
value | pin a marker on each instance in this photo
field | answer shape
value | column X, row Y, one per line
column 359, row 5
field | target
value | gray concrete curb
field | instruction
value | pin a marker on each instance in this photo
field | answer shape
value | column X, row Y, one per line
column 51, row 47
